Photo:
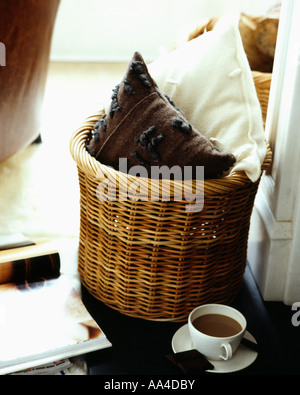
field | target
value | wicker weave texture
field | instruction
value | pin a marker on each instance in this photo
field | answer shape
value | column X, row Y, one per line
column 154, row 259
column 262, row 83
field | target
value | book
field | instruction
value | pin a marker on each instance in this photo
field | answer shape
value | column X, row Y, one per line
column 42, row 318
column 14, row 240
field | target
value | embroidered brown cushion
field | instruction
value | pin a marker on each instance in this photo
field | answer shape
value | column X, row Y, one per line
column 144, row 126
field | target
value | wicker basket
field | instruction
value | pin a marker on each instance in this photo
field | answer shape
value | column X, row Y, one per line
column 154, row 259
column 262, row 83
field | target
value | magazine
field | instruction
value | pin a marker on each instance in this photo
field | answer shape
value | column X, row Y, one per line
column 57, row 368
column 42, row 318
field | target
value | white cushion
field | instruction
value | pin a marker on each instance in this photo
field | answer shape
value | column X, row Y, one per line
column 210, row 80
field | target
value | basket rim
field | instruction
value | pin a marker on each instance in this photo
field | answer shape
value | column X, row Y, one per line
column 262, row 74
column 262, row 80
column 93, row 168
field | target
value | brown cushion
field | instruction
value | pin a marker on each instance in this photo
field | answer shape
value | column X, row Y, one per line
column 144, row 126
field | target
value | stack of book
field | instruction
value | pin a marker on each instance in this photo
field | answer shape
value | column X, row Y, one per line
column 43, row 321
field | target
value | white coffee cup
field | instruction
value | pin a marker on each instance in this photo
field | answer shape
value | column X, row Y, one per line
column 215, row 347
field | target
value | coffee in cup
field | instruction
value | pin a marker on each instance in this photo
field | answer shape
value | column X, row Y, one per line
column 216, row 330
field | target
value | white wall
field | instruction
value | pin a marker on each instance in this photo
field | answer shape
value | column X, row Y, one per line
column 98, row 30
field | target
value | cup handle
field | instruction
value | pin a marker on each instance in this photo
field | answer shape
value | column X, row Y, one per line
column 228, row 351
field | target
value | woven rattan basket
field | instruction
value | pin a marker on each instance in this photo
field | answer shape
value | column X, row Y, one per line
column 262, row 83
column 154, row 259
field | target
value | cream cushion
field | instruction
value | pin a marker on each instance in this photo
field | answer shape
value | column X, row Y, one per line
column 210, row 80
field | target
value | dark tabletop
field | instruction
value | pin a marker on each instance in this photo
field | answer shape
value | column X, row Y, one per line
column 140, row 346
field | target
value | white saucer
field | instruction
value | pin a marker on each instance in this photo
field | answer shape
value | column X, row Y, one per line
column 242, row 358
